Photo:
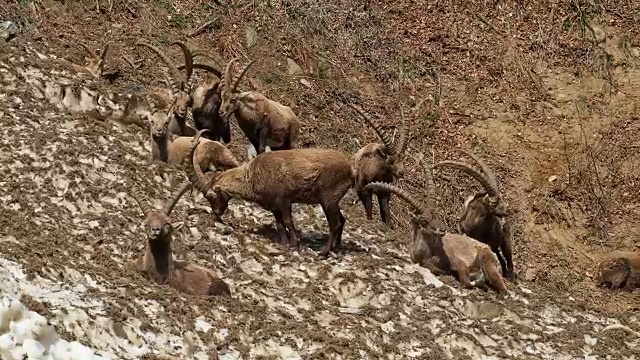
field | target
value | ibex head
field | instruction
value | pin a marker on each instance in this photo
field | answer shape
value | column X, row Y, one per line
column 95, row 62
column 229, row 90
column 490, row 199
column 392, row 152
column 157, row 224
column 422, row 217
column 218, row 199
column 182, row 90
column 160, row 122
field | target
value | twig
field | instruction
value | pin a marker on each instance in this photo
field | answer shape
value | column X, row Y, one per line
column 631, row 146
column 110, row 6
column 486, row 22
column 134, row 64
column 201, row 29
column 621, row 327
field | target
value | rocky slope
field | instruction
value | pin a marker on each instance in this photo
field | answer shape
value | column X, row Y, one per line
column 70, row 234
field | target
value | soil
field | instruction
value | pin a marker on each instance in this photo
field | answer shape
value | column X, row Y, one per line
column 552, row 111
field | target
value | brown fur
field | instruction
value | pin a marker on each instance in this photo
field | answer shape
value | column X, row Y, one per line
column 378, row 162
column 484, row 215
column 158, row 263
column 276, row 180
column 179, row 83
column 171, row 149
column 445, row 253
column 95, row 62
column 205, row 110
column 619, row 270
column 265, row 122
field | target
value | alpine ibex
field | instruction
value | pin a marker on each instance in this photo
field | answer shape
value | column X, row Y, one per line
column 277, row 179
column 265, row 122
column 442, row 252
column 379, row 162
column 206, row 105
column 620, row 269
column 181, row 91
column 95, row 62
column 172, row 149
column 484, row 214
column 158, row 262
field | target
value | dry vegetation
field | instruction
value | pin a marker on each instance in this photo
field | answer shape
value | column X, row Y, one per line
column 547, row 92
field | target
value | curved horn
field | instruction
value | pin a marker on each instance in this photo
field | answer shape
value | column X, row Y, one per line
column 431, row 189
column 175, row 196
column 242, row 72
column 88, row 50
column 188, row 63
column 172, row 67
column 194, row 172
column 471, row 172
column 386, row 140
column 104, row 51
column 491, row 177
column 402, row 140
column 227, row 73
column 209, row 68
column 137, row 195
column 386, row 187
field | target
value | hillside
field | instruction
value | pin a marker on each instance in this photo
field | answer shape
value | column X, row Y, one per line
column 547, row 92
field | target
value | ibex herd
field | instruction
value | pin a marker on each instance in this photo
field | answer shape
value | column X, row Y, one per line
column 479, row 255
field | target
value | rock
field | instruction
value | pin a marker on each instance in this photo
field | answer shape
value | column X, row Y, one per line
column 293, row 67
column 552, row 178
column 599, row 34
column 8, row 30
column 530, row 274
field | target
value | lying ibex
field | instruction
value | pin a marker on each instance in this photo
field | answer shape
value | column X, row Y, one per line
column 211, row 155
column 379, row 162
column 484, row 215
column 95, row 62
column 181, row 91
column 446, row 253
column 158, row 262
column 265, row 122
column 206, row 104
column 619, row 269
column 277, row 179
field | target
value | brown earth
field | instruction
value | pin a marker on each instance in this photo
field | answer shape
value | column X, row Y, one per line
column 552, row 109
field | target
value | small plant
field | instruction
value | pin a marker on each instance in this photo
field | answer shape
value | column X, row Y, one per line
column 179, row 21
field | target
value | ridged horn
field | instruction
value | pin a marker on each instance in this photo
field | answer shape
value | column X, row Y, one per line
column 175, row 196
column 139, row 197
column 241, row 75
column 209, row 68
column 471, row 172
column 88, row 50
column 193, row 170
column 386, row 187
column 402, row 138
column 172, row 67
column 227, row 73
column 386, row 139
column 431, row 189
column 491, row 177
column 104, row 51
column 188, row 63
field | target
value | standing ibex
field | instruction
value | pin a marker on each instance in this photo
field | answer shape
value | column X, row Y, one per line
column 181, row 91
column 484, row 215
column 206, row 103
column 275, row 180
column 166, row 147
column 265, row 122
column 158, row 263
column 620, row 269
column 443, row 252
column 379, row 162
